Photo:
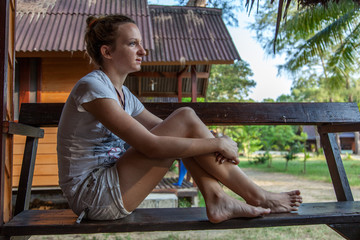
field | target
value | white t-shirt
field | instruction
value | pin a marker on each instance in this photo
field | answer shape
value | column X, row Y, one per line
column 83, row 143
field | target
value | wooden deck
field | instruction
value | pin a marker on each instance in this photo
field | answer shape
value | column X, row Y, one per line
column 186, row 190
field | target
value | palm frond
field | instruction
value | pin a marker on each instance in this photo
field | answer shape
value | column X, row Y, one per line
column 346, row 55
column 308, row 21
column 330, row 36
column 283, row 11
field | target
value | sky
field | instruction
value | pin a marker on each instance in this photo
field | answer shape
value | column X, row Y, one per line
column 268, row 83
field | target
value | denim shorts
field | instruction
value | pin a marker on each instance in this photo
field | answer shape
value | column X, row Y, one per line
column 99, row 196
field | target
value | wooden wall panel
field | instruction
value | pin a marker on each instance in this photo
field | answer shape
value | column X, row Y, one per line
column 46, row 169
column 59, row 75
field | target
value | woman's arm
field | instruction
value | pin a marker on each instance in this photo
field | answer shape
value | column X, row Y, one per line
column 112, row 116
column 148, row 120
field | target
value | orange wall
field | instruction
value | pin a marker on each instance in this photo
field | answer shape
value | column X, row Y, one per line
column 46, row 170
column 59, row 75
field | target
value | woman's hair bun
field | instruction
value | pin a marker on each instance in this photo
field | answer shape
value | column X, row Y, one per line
column 91, row 20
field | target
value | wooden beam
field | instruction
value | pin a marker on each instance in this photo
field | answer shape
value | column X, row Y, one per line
column 26, row 175
column 333, row 128
column 183, row 71
column 223, row 113
column 336, row 167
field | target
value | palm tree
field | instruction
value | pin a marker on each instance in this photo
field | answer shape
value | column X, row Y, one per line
column 331, row 35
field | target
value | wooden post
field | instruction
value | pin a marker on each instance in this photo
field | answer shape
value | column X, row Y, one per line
column 336, row 167
column 179, row 82
column 317, row 141
column 180, row 76
column 24, row 77
column 39, row 79
column 7, row 63
column 26, row 175
column 340, row 182
column 4, row 6
column 357, row 145
column 193, row 83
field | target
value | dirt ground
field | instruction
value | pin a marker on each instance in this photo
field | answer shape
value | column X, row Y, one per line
column 311, row 191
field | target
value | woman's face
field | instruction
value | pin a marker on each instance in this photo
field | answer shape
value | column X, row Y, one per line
column 128, row 53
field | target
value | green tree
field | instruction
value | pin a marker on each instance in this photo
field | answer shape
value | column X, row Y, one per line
column 276, row 138
column 230, row 82
column 247, row 138
column 320, row 43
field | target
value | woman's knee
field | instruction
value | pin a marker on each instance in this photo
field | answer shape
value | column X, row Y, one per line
column 187, row 116
column 186, row 112
column 191, row 122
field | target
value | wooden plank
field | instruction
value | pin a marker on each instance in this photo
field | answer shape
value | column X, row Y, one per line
column 48, row 114
column 25, row 130
column 47, row 222
column 40, row 181
column 58, row 97
column 42, row 149
column 41, row 159
column 40, row 170
column 48, row 138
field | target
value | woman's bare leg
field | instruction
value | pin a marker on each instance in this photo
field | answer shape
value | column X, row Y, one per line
column 139, row 175
column 219, row 205
column 235, row 179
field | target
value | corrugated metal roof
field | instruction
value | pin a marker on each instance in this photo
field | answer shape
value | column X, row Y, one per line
column 183, row 34
column 176, row 35
column 59, row 25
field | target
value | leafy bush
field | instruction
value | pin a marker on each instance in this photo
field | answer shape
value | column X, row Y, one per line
column 263, row 158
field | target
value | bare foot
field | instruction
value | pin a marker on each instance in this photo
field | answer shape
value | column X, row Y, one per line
column 281, row 202
column 226, row 207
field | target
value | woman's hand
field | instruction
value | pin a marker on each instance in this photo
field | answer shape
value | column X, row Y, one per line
column 229, row 151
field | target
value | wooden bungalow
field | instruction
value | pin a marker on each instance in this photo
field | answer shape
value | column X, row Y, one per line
column 50, row 58
column 347, row 141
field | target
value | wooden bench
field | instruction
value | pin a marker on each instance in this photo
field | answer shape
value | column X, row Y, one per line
column 343, row 216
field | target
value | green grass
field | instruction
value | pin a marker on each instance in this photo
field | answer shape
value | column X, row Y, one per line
column 270, row 233
column 316, row 168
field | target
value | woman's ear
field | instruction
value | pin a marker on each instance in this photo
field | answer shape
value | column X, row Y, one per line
column 105, row 51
